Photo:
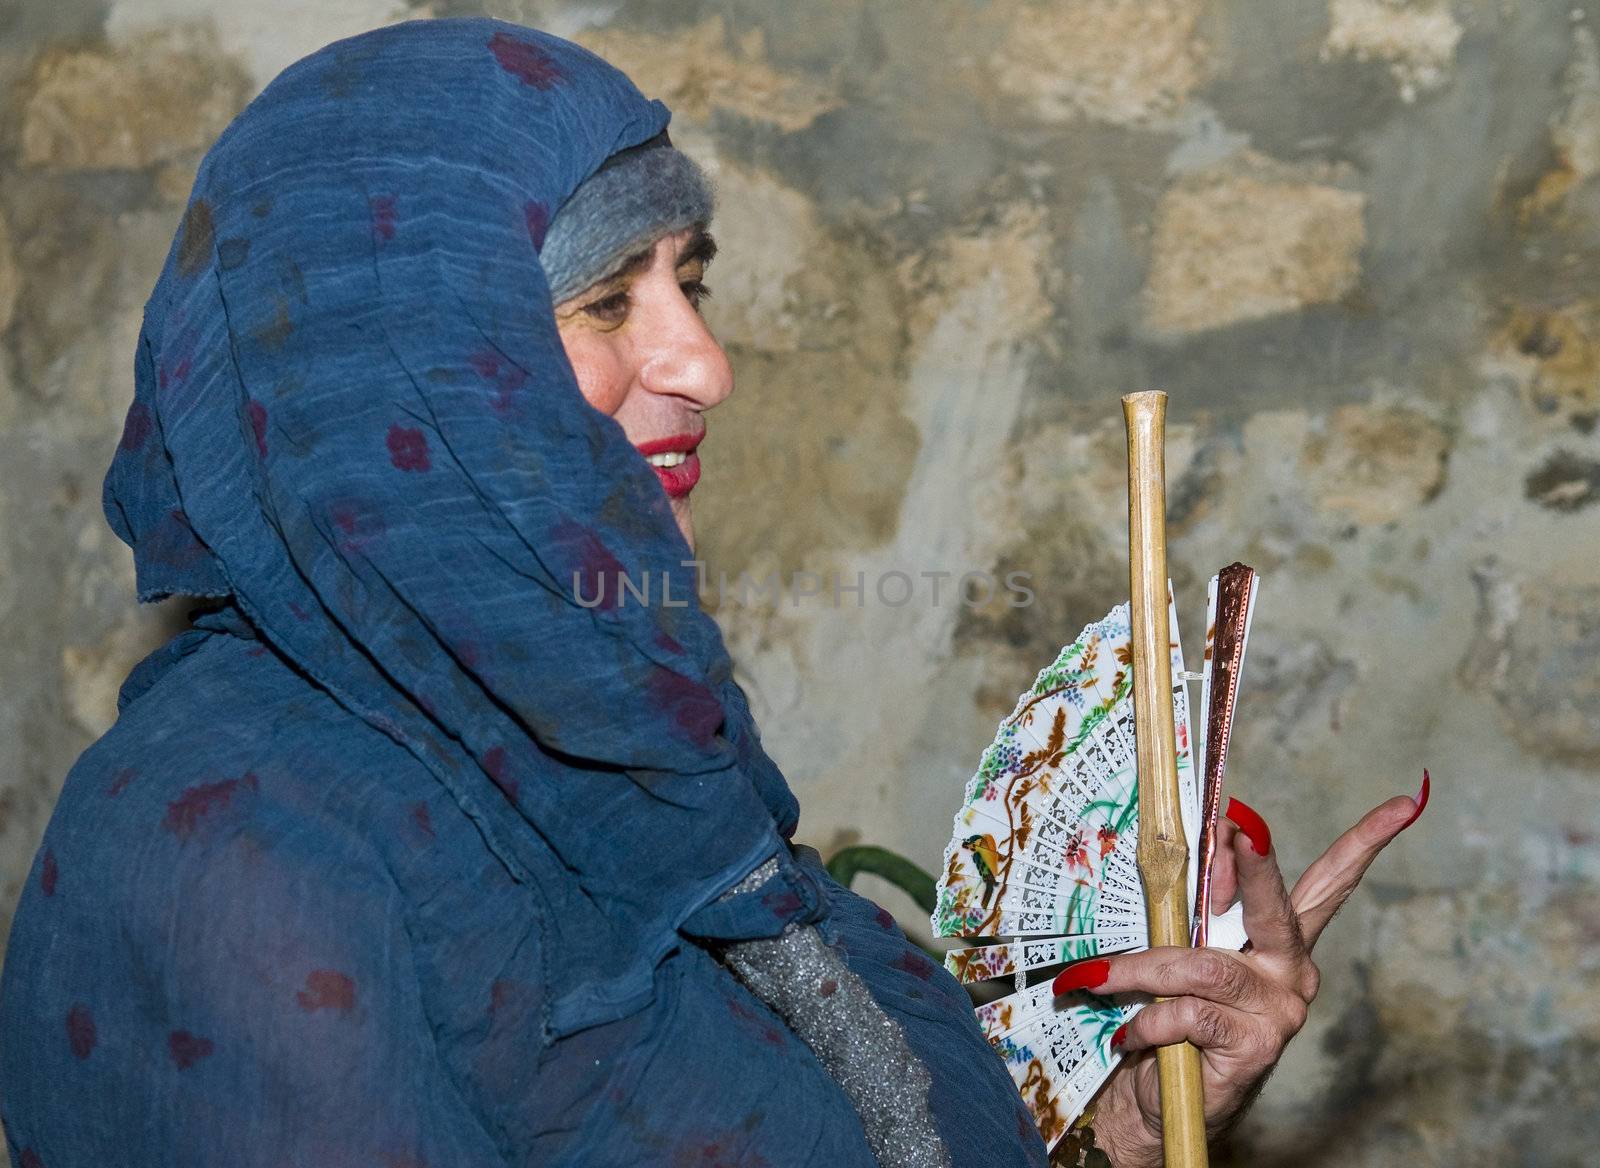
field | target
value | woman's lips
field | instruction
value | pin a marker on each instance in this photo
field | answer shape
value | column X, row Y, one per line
column 680, row 479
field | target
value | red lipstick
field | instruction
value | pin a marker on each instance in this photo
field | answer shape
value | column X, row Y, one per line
column 678, row 480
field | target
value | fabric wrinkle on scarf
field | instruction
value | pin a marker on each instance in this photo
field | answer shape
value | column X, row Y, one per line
column 355, row 424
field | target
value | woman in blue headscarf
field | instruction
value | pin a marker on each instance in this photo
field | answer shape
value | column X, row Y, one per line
column 416, row 849
column 422, row 847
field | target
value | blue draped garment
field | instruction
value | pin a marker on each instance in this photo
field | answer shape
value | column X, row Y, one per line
column 403, row 855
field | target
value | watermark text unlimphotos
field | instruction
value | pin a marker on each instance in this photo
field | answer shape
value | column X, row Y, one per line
column 894, row 588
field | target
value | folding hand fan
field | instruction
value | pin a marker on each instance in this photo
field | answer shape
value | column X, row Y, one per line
column 1044, row 847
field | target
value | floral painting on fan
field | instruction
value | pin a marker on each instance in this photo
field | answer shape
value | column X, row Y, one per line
column 1044, row 852
column 1045, row 839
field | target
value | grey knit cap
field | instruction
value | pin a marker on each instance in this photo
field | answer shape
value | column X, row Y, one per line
column 637, row 196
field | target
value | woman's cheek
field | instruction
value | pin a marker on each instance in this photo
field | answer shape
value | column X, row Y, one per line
column 599, row 371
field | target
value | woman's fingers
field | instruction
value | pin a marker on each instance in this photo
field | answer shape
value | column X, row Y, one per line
column 1242, row 1035
column 1170, row 972
column 1240, row 1009
column 1330, row 880
column 1269, row 916
column 1224, row 877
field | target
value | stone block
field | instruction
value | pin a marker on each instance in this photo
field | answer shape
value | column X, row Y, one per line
column 161, row 96
column 1236, row 244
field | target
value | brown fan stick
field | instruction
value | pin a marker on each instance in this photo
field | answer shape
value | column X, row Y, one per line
column 1235, row 586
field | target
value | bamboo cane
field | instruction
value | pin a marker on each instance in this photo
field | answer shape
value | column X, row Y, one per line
column 1163, row 851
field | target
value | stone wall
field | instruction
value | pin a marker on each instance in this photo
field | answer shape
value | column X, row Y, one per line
column 1353, row 239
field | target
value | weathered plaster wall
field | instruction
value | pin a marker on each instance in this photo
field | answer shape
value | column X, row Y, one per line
column 1354, row 239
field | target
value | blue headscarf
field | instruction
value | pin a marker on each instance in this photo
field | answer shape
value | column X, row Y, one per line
column 355, row 424
column 397, row 857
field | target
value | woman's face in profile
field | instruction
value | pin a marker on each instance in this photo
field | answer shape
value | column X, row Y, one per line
column 643, row 355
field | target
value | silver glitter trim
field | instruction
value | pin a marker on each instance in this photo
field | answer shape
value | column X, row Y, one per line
column 834, row 1013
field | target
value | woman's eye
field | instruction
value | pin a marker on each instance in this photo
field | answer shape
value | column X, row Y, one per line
column 611, row 309
column 696, row 291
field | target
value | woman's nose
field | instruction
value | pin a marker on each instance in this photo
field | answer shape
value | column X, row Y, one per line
column 683, row 359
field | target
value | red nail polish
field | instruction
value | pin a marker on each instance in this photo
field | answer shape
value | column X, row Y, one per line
column 1420, row 799
column 1084, row 975
column 1247, row 820
column 1119, row 1036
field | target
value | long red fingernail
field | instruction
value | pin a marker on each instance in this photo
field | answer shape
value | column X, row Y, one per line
column 1119, row 1036
column 1085, row 975
column 1420, row 799
column 1246, row 819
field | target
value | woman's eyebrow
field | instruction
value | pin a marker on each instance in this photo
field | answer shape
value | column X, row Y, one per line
column 700, row 246
column 631, row 266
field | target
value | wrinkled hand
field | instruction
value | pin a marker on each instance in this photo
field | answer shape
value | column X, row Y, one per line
column 1240, row 1009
